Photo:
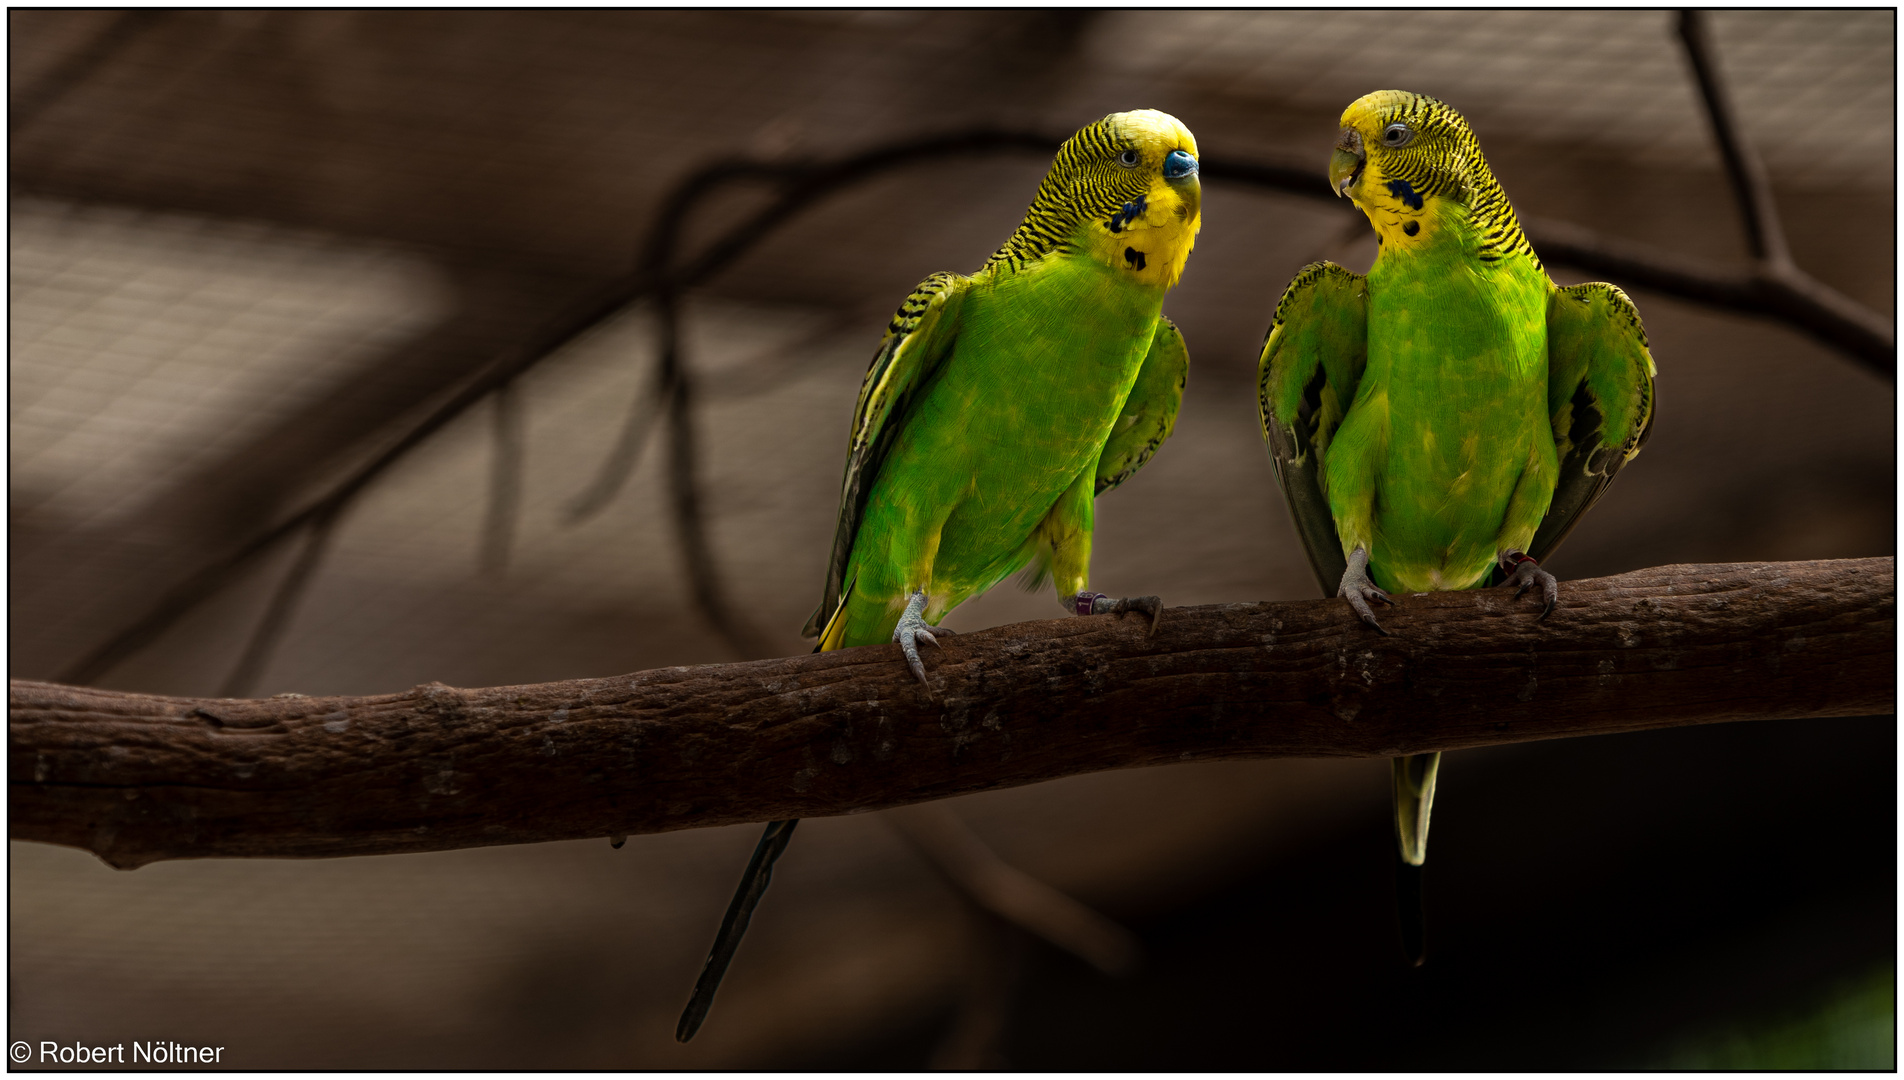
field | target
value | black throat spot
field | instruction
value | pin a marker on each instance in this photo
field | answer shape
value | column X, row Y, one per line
column 1405, row 191
column 1134, row 257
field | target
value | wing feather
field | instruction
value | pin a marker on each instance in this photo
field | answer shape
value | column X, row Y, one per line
column 1312, row 362
column 1600, row 398
column 1150, row 413
column 916, row 343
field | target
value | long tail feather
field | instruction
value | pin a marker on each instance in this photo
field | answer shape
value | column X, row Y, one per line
column 1414, row 778
column 753, row 885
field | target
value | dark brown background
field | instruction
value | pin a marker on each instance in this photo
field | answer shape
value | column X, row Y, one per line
column 245, row 247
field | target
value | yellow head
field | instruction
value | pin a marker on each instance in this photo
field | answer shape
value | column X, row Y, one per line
column 1414, row 167
column 1123, row 191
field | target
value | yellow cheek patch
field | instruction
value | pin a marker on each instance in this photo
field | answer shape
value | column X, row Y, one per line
column 1151, row 237
column 1397, row 212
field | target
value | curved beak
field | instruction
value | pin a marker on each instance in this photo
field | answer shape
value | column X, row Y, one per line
column 1345, row 164
column 1180, row 174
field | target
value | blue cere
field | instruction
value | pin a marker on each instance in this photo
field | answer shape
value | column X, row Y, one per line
column 1179, row 165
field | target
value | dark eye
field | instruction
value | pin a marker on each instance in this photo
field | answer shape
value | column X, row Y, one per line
column 1397, row 134
column 1128, row 159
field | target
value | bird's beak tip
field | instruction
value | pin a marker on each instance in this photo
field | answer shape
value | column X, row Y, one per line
column 1345, row 167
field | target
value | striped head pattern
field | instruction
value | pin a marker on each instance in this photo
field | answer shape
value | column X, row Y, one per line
column 1414, row 167
column 1124, row 191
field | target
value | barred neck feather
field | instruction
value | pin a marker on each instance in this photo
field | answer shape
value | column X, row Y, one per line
column 1491, row 216
column 1445, row 161
column 1084, row 183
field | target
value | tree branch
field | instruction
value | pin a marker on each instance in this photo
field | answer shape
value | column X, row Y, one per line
column 138, row 778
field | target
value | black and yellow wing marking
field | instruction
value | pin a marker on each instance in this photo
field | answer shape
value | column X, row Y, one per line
column 1312, row 362
column 1150, row 413
column 1600, row 396
column 917, row 342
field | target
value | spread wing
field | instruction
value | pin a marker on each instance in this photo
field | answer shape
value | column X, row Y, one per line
column 1312, row 361
column 1600, row 396
column 917, row 342
column 1151, row 410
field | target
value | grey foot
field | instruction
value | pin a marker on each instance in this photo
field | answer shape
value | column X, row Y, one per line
column 1358, row 590
column 1524, row 573
column 1096, row 603
column 912, row 629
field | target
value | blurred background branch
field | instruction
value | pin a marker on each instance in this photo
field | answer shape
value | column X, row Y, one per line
column 1011, row 894
column 25, row 105
column 1776, row 284
column 1005, row 904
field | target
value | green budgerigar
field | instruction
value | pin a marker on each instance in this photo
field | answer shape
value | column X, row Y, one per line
column 1443, row 421
column 998, row 407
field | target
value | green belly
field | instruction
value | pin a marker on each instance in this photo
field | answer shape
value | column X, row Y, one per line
column 1460, row 362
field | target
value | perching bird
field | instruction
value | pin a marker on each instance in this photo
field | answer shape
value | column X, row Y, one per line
column 1445, row 420
column 998, row 407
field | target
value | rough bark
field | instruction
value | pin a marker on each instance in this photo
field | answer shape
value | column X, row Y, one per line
column 137, row 778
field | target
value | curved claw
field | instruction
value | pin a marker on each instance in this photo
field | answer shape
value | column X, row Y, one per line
column 1358, row 590
column 1358, row 599
column 1099, row 604
column 912, row 629
column 1152, row 606
column 1526, row 574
